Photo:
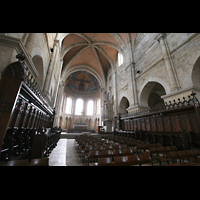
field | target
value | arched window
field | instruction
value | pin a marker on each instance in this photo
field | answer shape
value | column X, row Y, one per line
column 68, row 108
column 90, row 107
column 79, row 107
column 120, row 59
column 98, row 107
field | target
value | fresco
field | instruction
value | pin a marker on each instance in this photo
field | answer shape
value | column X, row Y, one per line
column 82, row 82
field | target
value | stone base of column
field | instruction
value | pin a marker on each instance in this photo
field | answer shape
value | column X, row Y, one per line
column 133, row 108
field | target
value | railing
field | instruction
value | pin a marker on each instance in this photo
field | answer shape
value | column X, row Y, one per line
column 171, row 105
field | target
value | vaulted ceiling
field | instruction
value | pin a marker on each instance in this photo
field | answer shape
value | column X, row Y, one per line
column 96, row 50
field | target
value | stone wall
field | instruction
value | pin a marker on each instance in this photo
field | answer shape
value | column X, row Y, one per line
column 183, row 51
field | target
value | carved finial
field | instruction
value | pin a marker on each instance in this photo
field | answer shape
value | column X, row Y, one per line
column 193, row 94
column 21, row 57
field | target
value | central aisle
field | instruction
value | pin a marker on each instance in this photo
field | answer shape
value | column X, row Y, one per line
column 64, row 154
column 72, row 158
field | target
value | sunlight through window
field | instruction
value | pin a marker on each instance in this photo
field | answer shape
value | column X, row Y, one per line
column 68, row 109
column 98, row 106
column 90, row 106
column 120, row 59
column 79, row 107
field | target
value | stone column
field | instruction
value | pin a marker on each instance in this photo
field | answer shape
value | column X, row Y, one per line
column 115, row 92
column 58, row 104
column 135, row 94
column 170, row 70
column 102, row 98
column 59, row 74
column 50, row 69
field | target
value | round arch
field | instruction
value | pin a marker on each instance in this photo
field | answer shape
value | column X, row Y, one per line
column 38, row 62
column 87, row 68
column 190, row 70
column 153, row 79
column 196, row 73
column 151, row 93
column 124, row 104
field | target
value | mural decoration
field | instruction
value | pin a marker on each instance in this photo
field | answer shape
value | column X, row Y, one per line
column 82, row 82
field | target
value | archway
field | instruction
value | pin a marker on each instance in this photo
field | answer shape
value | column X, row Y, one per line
column 196, row 73
column 38, row 62
column 151, row 95
column 124, row 104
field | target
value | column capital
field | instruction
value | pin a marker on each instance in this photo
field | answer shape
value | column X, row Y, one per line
column 61, row 84
column 56, row 42
column 160, row 36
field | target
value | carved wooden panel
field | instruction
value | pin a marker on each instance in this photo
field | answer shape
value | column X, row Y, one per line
column 153, row 124
column 125, row 124
column 143, row 124
column 194, row 122
column 135, row 124
column 129, row 124
column 166, row 124
column 174, row 121
column 147, row 123
column 132, row 125
column 138, row 124
column 159, row 123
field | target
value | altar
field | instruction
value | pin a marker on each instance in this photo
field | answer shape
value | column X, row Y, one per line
column 80, row 127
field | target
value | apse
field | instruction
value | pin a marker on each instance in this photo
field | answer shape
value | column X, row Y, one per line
column 82, row 82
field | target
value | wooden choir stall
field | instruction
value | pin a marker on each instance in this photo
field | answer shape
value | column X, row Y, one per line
column 175, row 124
column 26, row 119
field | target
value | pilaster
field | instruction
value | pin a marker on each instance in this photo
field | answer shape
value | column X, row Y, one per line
column 161, row 38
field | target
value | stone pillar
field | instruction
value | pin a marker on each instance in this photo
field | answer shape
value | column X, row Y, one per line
column 170, row 70
column 24, row 38
column 59, row 74
column 115, row 92
column 50, row 70
column 102, row 98
column 58, row 104
column 135, row 94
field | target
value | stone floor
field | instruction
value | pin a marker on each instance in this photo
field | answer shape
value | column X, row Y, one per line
column 64, row 154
